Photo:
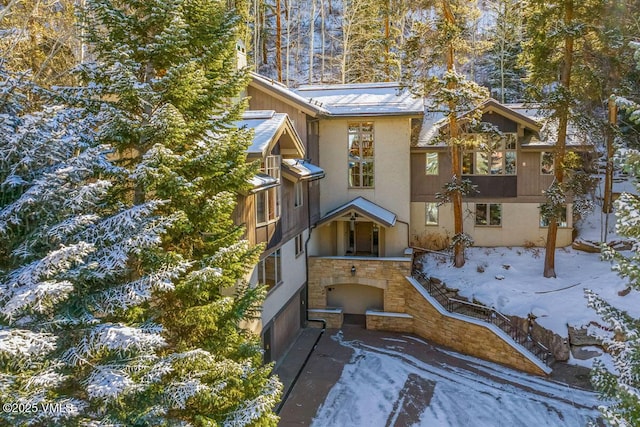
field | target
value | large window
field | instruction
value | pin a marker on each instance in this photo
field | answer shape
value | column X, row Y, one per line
column 431, row 164
column 270, row 270
column 431, row 213
column 489, row 214
column 361, row 174
column 487, row 155
column 268, row 201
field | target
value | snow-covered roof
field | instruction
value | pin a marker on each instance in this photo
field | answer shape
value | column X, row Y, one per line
column 363, row 99
column 365, row 208
column 301, row 169
column 544, row 130
column 268, row 127
column 262, row 181
column 281, row 91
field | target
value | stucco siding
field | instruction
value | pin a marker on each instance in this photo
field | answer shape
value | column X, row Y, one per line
column 392, row 166
column 520, row 225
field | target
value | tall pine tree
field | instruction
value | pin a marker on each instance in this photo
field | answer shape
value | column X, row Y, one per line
column 621, row 388
column 70, row 351
column 560, row 78
column 165, row 78
column 437, row 47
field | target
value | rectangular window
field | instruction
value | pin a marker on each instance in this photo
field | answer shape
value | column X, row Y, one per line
column 298, row 194
column 271, row 166
column 268, row 205
column 361, row 155
column 562, row 221
column 547, row 163
column 270, row 270
column 299, row 245
column 489, row 214
column 268, row 201
column 432, row 164
column 431, row 213
column 488, row 155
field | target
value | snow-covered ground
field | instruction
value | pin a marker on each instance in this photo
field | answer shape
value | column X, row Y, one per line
column 405, row 383
column 511, row 281
column 387, row 385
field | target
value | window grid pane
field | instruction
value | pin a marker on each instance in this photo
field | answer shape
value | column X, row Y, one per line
column 361, row 155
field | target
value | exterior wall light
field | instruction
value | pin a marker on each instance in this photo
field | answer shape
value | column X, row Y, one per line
column 353, row 270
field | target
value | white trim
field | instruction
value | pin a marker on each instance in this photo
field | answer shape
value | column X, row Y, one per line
column 388, row 314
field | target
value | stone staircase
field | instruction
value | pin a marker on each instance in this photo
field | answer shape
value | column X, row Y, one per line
column 450, row 302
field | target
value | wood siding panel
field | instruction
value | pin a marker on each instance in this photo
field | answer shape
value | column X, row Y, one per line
column 285, row 327
column 530, row 181
column 293, row 220
column 423, row 186
column 261, row 101
column 494, row 186
column 502, row 123
column 244, row 214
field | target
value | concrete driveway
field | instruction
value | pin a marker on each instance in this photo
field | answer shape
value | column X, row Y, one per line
column 357, row 377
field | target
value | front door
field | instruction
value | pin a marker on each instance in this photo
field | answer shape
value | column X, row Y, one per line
column 363, row 238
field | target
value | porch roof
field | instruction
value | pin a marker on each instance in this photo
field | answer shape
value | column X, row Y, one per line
column 262, row 181
column 365, row 208
column 301, row 170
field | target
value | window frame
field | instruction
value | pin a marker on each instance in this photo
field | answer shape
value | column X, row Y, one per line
column 552, row 165
column 299, row 245
column 277, row 269
column 361, row 159
column 482, row 150
column 488, row 214
column 298, row 194
column 427, row 211
column 434, row 169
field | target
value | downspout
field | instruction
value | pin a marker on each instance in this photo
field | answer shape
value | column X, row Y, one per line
column 408, row 230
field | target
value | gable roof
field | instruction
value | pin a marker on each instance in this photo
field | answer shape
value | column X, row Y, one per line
column 363, row 99
column 269, row 127
column 365, row 208
column 543, row 135
column 282, row 92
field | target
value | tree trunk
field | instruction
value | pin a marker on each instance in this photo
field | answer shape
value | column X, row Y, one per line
column 458, row 249
column 278, row 42
column 563, row 121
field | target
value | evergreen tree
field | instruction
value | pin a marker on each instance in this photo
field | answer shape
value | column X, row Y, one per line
column 622, row 339
column 503, row 71
column 560, row 78
column 70, row 352
column 437, row 46
column 166, row 82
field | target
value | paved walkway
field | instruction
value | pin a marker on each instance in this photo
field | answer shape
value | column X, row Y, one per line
column 324, row 365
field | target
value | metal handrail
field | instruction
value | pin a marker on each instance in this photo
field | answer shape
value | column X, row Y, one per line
column 486, row 314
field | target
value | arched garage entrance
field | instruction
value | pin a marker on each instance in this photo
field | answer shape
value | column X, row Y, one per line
column 354, row 298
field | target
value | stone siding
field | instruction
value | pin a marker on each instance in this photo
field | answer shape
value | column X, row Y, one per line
column 333, row 317
column 464, row 337
column 384, row 273
column 394, row 322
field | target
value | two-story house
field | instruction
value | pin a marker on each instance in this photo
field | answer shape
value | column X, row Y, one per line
column 509, row 167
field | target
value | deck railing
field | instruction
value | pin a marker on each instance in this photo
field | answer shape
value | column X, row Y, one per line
column 486, row 314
